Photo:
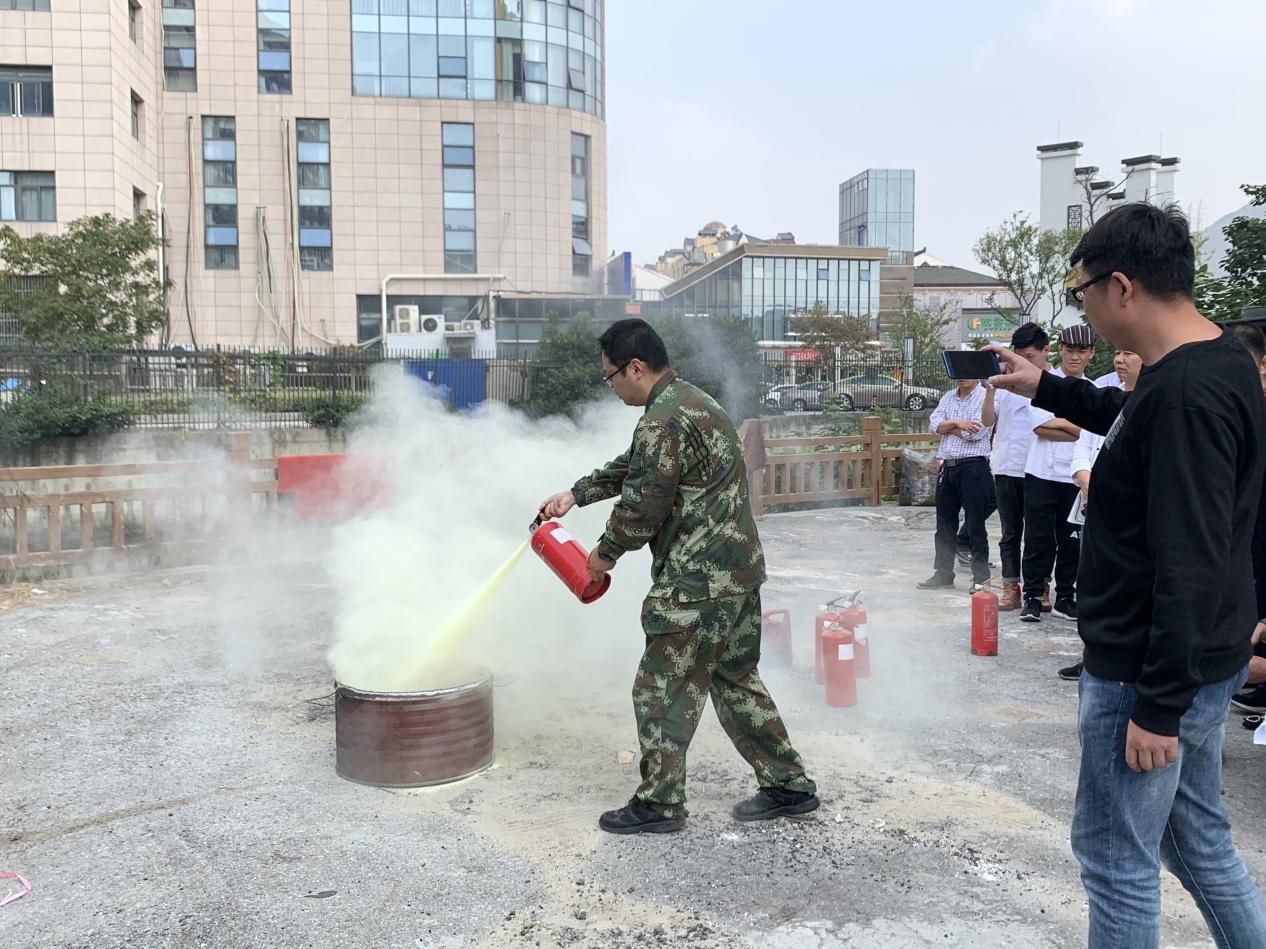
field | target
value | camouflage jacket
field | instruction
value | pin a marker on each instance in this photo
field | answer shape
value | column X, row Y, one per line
column 682, row 488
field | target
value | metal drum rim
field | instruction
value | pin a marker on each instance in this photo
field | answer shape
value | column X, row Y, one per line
column 421, row 784
column 353, row 692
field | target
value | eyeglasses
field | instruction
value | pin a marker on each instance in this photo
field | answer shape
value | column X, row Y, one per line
column 1078, row 293
column 607, row 379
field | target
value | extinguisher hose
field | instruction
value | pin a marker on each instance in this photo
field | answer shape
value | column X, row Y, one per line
column 850, row 599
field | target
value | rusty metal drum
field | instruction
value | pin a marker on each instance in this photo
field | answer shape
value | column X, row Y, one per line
column 413, row 739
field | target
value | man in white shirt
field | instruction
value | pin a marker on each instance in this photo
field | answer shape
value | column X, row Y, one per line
column 1049, row 492
column 1012, row 437
column 964, row 483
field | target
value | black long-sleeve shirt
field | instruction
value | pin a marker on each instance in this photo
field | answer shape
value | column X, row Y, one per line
column 1165, row 590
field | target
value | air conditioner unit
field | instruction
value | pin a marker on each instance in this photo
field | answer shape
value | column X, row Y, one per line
column 462, row 327
column 431, row 324
column 470, row 326
column 405, row 318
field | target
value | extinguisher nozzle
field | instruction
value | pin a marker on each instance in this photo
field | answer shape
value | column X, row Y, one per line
column 536, row 523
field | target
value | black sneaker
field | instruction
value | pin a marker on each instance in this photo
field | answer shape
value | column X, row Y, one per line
column 638, row 817
column 775, row 802
column 938, row 581
column 1072, row 673
column 1250, row 700
column 1031, row 612
column 1066, row 607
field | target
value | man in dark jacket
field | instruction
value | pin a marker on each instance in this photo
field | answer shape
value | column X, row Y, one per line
column 1166, row 584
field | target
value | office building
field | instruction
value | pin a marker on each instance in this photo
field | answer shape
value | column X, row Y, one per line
column 877, row 210
column 308, row 160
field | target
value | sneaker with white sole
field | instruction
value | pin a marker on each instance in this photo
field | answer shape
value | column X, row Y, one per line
column 1066, row 607
column 1031, row 612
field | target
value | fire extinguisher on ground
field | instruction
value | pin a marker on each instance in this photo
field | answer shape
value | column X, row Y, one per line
column 984, row 622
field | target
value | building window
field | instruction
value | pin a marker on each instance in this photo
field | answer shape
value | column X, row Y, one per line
column 272, row 18
column 1074, row 217
column 134, row 21
column 26, row 90
column 180, row 53
column 28, row 196
column 138, row 116
column 548, row 53
column 316, row 241
column 219, row 191
column 41, row 5
column 581, row 246
column 138, row 204
column 459, row 197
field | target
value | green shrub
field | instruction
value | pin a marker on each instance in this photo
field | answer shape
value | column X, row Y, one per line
column 55, row 413
column 333, row 411
column 569, row 369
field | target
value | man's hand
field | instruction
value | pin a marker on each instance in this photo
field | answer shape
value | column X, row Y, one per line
column 968, row 425
column 1018, row 374
column 1147, row 751
column 599, row 565
column 1258, row 630
column 1256, row 671
column 556, row 505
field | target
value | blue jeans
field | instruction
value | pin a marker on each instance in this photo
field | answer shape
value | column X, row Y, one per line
column 1125, row 824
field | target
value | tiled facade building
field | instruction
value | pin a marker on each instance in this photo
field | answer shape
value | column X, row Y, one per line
column 306, row 158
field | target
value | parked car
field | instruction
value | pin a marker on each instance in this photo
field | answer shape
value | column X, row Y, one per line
column 803, row 397
column 865, row 391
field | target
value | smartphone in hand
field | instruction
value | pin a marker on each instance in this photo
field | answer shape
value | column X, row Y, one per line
column 971, row 364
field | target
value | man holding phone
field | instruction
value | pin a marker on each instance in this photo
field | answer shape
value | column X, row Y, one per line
column 1167, row 600
column 964, row 484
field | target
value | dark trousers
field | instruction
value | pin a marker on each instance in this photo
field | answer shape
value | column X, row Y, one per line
column 1049, row 540
column 1010, row 493
column 965, row 487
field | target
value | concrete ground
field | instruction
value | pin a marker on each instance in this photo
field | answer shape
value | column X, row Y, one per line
column 164, row 786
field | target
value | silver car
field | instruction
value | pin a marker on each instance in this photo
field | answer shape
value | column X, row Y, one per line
column 879, row 391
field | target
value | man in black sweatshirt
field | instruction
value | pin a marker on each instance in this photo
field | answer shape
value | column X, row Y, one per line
column 1165, row 589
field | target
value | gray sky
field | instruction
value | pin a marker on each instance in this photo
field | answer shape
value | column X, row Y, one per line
column 754, row 112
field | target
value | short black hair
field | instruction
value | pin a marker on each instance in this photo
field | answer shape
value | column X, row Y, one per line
column 626, row 340
column 1030, row 334
column 1148, row 244
column 1254, row 340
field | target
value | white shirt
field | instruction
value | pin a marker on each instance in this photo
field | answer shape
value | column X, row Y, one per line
column 961, row 444
column 1048, row 460
column 1085, row 451
column 1012, row 434
column 1111, row 379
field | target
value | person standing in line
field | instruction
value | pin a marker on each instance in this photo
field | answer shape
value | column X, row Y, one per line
column 964, row 484
column 1166, row 585
column 682, row 489
column 1008, row 414
column 1049, row 540
column 1126, row 366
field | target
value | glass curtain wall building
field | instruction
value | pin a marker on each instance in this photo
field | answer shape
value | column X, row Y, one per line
column 547, row 53
column 877, row 210
column 766, row 286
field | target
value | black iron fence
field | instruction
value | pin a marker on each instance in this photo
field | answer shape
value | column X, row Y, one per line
column 240, row 389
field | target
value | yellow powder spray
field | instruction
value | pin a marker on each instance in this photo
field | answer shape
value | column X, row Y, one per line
column 442, row 646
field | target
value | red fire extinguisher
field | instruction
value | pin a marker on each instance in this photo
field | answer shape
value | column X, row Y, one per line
column 569, row 561
column 838, row 657
column 984, row 622
column 827, row 613
column 775, row 638
column 853, row 617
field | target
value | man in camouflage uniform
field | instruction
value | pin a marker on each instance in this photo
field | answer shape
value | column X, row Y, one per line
column 682, row 488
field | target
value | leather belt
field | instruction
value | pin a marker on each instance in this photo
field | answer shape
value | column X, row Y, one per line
column 955, row 462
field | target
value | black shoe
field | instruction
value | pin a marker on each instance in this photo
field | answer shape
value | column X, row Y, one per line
column 1072, row 673
column 638, row 817
column 775, row 802
column 1031, row 612
column 1250, row 700
column 1066, row 607
column 938, row 581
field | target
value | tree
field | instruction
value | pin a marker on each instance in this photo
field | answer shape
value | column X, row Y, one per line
column 96, row 284
column 568, row 368
column 924, row 327
column 1030, row 262
column 1245, row 260
column 1094, row 197
column 818, row 328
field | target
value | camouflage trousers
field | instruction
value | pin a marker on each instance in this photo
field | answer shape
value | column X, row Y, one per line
column 694, row 650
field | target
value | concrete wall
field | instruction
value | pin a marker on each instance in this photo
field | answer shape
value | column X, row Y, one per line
column 141, row 446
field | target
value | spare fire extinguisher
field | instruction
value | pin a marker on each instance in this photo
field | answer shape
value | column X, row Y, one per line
column 853, row 618
column 569, row 561
column 839, row 672
column 984, row 622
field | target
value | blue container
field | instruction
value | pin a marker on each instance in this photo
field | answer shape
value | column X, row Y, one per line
column 462, row 382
